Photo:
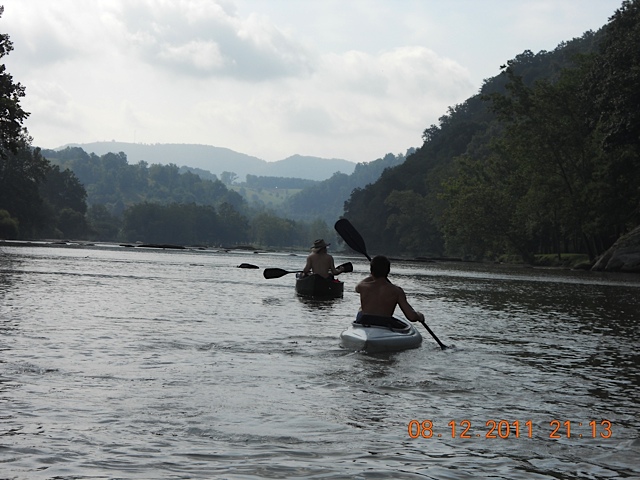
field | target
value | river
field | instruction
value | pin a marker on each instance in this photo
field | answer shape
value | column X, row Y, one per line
column 143, row 363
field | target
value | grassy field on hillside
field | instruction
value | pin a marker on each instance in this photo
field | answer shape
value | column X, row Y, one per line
column 269, row 197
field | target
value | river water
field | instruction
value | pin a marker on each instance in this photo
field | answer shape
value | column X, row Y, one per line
column 138, row 363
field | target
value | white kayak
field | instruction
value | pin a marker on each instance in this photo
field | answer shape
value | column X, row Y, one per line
column 380, row 334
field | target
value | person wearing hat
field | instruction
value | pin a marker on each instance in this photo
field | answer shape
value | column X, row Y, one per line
column 320, row 262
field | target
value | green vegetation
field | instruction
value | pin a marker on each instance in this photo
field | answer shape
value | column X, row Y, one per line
column 300, row 199
column 36, row 198
column 567, row 260
column 544, row 160
column 326, row 199
column 271, row 198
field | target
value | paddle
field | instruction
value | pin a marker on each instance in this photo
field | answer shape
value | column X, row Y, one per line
column 346, row 267
column 352, row 238
column 276, row 272
column 279, row 272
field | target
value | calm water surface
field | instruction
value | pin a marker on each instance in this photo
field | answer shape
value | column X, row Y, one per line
column 131, row 363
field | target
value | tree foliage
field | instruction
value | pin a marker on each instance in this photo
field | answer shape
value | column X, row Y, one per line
column 613, row 80
column 172, row 224
column 325, row 200
column 64, row 204
column 544, row 159
column 36, row 199
column 13, row 135
column 256, row 181
column 111, row 181
column 8, row 226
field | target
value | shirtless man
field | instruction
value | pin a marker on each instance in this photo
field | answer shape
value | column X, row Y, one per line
column 379, row 297
column 320, row 262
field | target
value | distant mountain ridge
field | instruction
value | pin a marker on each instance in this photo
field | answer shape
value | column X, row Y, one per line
column 218, row 159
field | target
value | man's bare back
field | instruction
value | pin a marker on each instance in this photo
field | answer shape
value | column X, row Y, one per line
column 378, row 296
column 320, row 263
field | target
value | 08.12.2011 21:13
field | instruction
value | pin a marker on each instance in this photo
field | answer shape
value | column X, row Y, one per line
column 516, row 429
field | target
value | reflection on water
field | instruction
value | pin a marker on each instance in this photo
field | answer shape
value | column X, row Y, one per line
column 162, row 364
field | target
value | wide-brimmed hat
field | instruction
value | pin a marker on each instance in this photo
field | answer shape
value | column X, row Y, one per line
column 319, row 245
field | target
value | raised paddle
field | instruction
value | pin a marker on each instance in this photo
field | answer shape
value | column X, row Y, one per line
column 352, row 238
column 279, row 272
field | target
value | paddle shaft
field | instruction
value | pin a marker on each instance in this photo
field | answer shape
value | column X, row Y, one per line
column 279, row 272
column 352, row 238
column 442, row 345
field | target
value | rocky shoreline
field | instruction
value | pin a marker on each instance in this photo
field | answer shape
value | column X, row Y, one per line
column 623, row 256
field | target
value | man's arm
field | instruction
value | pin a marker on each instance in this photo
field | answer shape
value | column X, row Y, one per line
column 407, row 309
column 333, row 269
column 307, row 268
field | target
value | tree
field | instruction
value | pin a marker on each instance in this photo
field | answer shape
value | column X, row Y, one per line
column 174, row 223
column 480, row 218
column 228, row 177
column 64, row 204
column 20, row 176
column 63, row 190
column 71, row 223
column 614, row 86
column 412, row 224
column 21, row 168
column 234, row 227
column 270, row 230
column 8, row 226
column 12, row 133
column 614, row 79
column 102, row 224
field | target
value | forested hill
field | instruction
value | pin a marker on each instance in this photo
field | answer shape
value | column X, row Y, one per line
column 545, row 159
column 325, row 200
column 110, row 180
column 218, row 160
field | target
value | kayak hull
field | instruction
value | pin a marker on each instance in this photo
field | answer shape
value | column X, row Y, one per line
column 379, row 338
column 315, row 286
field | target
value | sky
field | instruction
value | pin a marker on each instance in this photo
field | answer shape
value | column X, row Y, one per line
column 349, row 79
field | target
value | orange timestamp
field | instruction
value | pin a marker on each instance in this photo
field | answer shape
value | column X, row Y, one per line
column 510, row 429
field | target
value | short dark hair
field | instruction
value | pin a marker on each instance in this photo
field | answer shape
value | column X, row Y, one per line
column 380, row 266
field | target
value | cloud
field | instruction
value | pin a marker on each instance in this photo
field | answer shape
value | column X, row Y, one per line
column 47, row 35
column 206, row 38
column 362, row 94
column 53, row 102
column 270, row 78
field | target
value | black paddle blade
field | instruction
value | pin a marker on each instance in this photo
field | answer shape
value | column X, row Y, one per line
column 346, row 267
column 275, row 272
column 351, row 236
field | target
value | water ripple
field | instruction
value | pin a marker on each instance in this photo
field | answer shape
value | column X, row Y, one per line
column 141, row 364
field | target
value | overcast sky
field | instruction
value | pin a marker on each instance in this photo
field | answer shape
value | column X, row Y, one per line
column 351, row 79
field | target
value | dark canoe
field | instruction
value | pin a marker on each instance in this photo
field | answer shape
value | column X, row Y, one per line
column 317, row 287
